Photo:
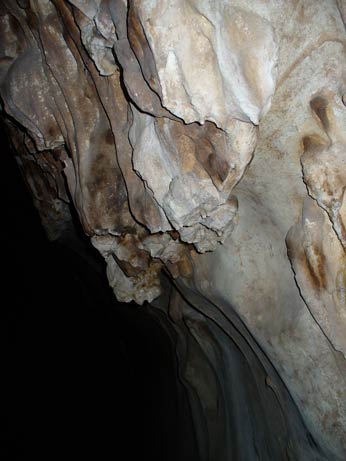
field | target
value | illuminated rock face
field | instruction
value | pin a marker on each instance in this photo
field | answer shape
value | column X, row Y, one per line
column 205, row 141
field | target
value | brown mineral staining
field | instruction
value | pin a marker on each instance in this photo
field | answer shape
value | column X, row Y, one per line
column 340, row 283
column 136, row 34
column 173, row 270
column 316, row 261
column 138, row 258
column 218, row 167
column 185, row 267
column 109, row 137
column 187, row 149
column 319, row 105
column 174, row 234
column 53, row 131
column 32, row 20
column 312, row 143
column 128, row 269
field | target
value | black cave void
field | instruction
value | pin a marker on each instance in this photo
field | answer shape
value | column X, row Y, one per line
column 85, row 377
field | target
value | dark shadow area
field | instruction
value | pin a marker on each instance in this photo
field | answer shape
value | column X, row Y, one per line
column 85, row 377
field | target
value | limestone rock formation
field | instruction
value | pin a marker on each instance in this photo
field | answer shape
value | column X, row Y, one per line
column 202, row 147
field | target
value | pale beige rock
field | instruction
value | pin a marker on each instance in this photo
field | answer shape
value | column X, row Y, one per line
column 203, row 72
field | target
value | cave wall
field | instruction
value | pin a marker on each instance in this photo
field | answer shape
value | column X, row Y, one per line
column 201, row 145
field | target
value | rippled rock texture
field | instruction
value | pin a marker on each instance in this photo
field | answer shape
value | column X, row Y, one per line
column 202, row 146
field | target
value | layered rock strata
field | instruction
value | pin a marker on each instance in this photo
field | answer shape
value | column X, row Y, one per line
column 203, row 143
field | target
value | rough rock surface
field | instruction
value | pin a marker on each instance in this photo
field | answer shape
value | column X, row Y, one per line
column 202, row 147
